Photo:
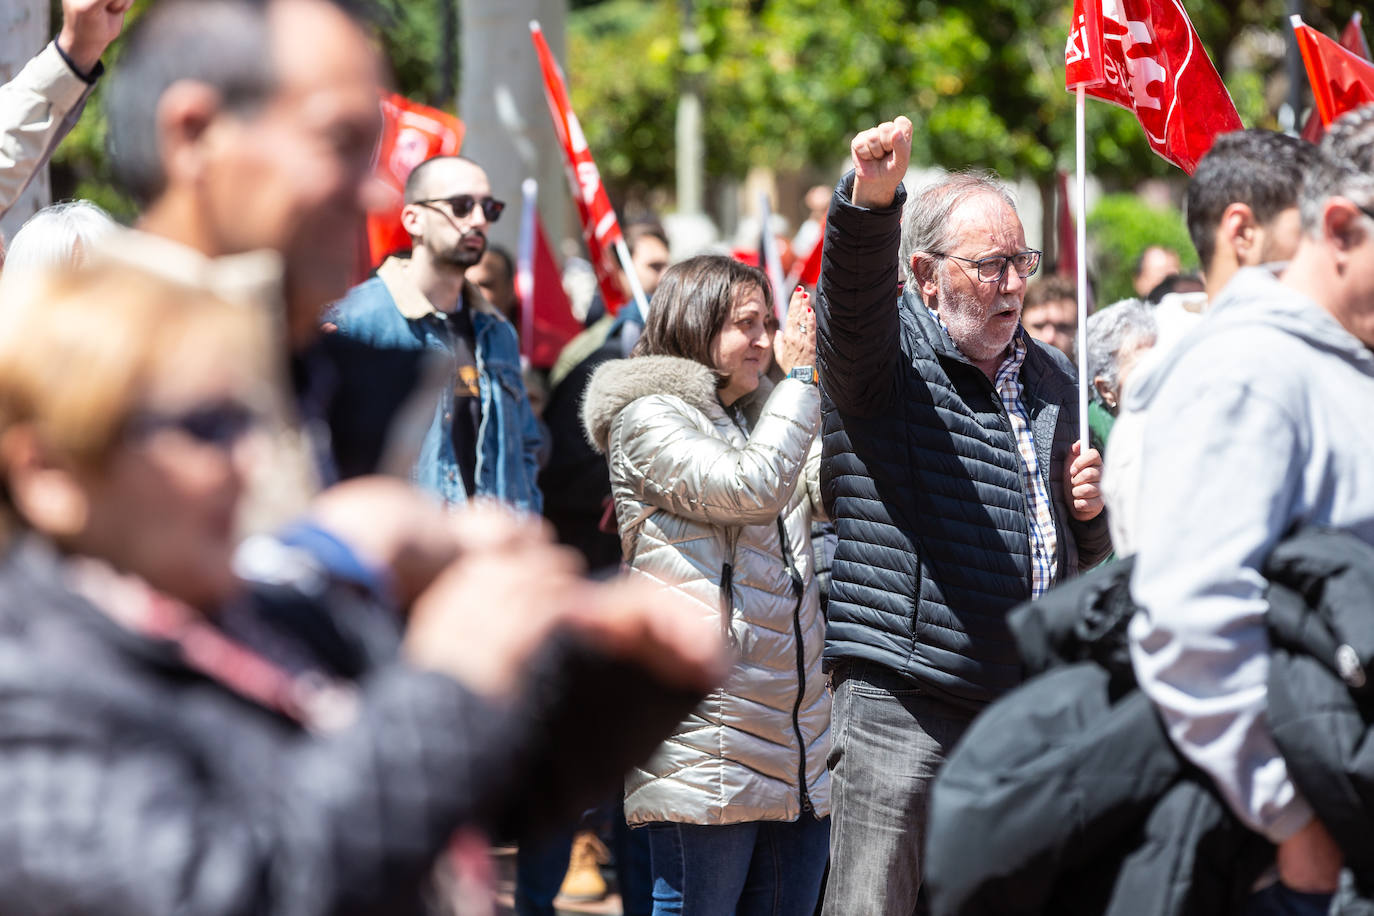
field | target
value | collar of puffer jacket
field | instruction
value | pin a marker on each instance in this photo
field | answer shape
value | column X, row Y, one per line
column 618, row 382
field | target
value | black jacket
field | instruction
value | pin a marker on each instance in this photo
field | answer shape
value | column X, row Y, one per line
column 133, row 783
column 1066, row 796
column 922, row 475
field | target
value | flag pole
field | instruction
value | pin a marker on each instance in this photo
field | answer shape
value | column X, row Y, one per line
column 622, row 251
column 529, row 213
column 1081, row 207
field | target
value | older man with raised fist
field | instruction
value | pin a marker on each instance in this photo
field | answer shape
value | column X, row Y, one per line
column 957, row 487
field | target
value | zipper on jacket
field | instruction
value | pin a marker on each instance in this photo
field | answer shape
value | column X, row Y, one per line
column 798, row 590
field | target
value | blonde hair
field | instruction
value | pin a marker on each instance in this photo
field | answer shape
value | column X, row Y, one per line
column 77, row 350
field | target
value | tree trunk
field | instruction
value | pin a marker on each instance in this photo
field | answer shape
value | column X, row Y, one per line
column 23, row 31
column 502, row 104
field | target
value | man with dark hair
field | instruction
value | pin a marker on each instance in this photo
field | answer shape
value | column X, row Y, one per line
column 483, row 439
column 1256, row 426
column 1242, row 211
column 1242, row 202
column 494, row 275
column 952, row 473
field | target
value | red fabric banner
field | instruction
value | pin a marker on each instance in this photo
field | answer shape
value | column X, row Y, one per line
column 1144, row 56
column 411, row 133
column 1352, row 39
column 600, row 229
column 1341, row 80
column 547, row 321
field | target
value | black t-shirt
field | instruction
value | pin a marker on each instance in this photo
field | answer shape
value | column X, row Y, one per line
column 467, row 397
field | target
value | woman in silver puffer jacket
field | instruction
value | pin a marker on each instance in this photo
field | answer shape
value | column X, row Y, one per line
column 714, row 475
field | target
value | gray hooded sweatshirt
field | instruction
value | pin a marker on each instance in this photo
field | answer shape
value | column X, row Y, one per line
column 1260, row 421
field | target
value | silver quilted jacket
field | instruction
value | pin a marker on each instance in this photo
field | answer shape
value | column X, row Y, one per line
column 702, row 507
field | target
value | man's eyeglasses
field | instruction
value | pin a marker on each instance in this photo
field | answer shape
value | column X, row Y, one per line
column 220, row 425
column 462, row 205
column 993, row 269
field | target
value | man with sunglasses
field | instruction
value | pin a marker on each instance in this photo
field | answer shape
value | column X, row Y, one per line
column 483, row 438
column 951, row 471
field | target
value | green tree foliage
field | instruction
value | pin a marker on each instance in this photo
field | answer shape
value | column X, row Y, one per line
column 1120, row 227
column 786, row 83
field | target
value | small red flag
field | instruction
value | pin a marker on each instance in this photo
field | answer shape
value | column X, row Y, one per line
column 547, row 320
column 411, row 133
column 1352, row 39
column 600, row 229
column 1341, row 80
column 1144, row 56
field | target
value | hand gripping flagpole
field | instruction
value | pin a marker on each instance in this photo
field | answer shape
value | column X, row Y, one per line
column 1081, row 208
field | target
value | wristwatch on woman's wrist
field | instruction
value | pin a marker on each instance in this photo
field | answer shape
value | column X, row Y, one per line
column 804, row 374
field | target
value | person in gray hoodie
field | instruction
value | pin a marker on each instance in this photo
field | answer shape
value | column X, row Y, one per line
column 1258, row 424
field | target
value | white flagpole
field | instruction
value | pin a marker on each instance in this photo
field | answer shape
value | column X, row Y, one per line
column 529, row 188
column 1082, row 227
column 770, row 260
column 622, row 251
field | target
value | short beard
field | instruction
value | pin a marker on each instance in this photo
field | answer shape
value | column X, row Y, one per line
column 967, row 321
column 459, row 255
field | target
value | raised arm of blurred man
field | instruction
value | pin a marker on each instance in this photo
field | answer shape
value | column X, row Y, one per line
column 42, row 103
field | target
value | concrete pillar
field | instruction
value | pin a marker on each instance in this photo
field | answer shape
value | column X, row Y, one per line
column 24, row 29
column 502, row 104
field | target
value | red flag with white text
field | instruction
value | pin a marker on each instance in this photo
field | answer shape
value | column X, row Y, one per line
column 411, row 133
column 1341, row 80
column 1352, row 39
column 600, row 229
column 1144, row 56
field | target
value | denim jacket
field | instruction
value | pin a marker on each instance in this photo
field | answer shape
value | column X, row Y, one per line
column 389, row 311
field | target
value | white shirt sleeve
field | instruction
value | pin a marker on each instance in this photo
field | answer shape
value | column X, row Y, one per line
column 37, row 110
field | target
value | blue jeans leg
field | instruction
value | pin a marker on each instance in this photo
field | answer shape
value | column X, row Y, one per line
column 888, row 739
column 1280, row 900
column 539, row 871
column 759, row 868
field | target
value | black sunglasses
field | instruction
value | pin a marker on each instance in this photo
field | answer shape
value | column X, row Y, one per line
column 462, row 205
column 220, row 424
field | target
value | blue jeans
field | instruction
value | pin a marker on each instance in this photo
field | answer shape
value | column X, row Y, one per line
column 539, row 870
column 888, row 737
column 1280, row 900
column 760, row 868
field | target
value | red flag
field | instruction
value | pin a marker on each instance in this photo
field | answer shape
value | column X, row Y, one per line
column 1341, row 80
column 411, row 133
column 811, row 269
column 1066, row 237
column 547, row 317
column 1144, row 56
column 600, row 229
column 1352, row 39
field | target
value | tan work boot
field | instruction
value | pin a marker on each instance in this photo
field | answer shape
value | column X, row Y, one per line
column 583, row 880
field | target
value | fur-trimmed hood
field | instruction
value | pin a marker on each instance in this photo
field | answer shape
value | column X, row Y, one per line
column 620, row 382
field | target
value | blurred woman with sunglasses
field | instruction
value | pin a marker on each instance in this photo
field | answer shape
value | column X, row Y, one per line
column 151, row 763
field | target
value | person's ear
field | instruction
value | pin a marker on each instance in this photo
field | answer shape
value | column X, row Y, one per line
column 923, row 268
column 410, row 221
column 1105, row 392
column 1343, row 226
column 185, row 113
column 45, row 493
column 1240, row 232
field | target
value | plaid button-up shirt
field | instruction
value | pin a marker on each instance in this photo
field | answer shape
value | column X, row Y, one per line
column 1044, row 540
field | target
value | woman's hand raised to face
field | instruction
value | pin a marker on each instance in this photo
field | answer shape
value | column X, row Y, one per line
column 795, row 343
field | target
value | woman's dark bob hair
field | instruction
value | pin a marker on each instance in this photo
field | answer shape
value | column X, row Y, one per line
column 692, row 303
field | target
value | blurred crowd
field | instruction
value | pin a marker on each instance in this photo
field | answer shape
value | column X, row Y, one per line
column 312, row 589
